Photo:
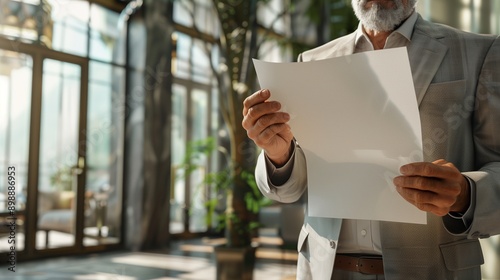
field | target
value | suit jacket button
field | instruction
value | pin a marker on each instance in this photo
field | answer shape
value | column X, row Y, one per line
column 332, row 244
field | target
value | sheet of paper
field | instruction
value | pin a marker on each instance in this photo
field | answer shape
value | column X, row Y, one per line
column 356, row 118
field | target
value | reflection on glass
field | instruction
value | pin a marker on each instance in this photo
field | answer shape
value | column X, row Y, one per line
column 179, row 138
column 104, row 138
column 58, row 154
column 15, row 107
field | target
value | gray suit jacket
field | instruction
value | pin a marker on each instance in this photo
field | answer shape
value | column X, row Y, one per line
column 457, row 81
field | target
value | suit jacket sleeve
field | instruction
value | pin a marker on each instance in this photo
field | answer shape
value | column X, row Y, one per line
column 486, row 125
column 293, row 187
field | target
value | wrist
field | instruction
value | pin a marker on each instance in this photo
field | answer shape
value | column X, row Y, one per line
column 463, row 200
column 279, row 161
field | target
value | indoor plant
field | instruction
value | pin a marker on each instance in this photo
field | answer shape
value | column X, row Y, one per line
column 234, row 260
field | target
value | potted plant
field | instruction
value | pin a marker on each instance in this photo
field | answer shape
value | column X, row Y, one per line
column 62, row 179
column 235, row 258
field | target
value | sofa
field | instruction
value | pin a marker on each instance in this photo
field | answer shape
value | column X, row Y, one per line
column 56, row 212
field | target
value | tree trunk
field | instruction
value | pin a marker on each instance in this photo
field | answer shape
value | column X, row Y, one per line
column 157, row 140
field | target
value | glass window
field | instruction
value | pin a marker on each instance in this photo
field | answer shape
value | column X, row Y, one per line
column 216, row 116
column 270, row 15
column 183, row 12
column 20, row 19
column 59, row 120
column 104, row 138
column 57, row 185
column 105, row 35
column 495, row 16
column 271, row 51
column 179, row 140
column 200, row 113
column 70, row 27
column 99, row 120
column 181, row 66
column 200, row 12
column 191, row 121
column 179, row 116
column 193, row 58
column 15, row 112
column 201, row 62
column 199, row 130
column 301, row 26
column 84, row 29
column 100, row 72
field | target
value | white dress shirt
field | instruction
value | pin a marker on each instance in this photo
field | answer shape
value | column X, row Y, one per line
column 363, row 236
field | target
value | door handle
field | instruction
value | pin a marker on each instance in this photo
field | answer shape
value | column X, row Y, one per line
column 78, row 169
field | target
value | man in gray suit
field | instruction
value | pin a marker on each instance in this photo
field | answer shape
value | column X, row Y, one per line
column 457, row 82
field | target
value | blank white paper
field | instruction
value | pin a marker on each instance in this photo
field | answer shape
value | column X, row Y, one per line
column 356, row 118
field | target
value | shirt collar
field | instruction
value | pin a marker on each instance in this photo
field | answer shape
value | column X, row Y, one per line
column 406, row 29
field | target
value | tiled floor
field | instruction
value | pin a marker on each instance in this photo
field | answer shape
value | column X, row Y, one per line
column 191, row 260
column 186, row 260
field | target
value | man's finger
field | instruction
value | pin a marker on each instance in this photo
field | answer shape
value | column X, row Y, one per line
column 429, row 169
column 417, row 182
column 263, row 115
column 426, row 201
column 256, row 98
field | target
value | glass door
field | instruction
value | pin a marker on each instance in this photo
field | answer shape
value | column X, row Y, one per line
column 15, row 109
column 191, row 121
column 61, row 152
column 61, row 161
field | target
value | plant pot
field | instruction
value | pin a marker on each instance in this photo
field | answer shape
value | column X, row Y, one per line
column 235, row 263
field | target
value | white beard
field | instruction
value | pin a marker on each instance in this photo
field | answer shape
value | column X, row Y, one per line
column 381, row 19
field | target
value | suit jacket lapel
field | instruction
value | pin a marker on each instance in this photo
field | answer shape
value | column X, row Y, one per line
column 344, row 47
column 426, row 55
column 347, row 46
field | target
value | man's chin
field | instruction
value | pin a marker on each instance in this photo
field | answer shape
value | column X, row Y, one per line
column 378, row 21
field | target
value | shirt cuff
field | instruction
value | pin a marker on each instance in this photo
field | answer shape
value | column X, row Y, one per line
column 465, row 219
column 279, row 175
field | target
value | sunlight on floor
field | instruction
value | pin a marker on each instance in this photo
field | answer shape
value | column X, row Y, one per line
column 186, row 260
column 168, row 262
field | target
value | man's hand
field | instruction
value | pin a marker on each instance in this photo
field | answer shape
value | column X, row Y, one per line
column 267, row 126
column 436, row 187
